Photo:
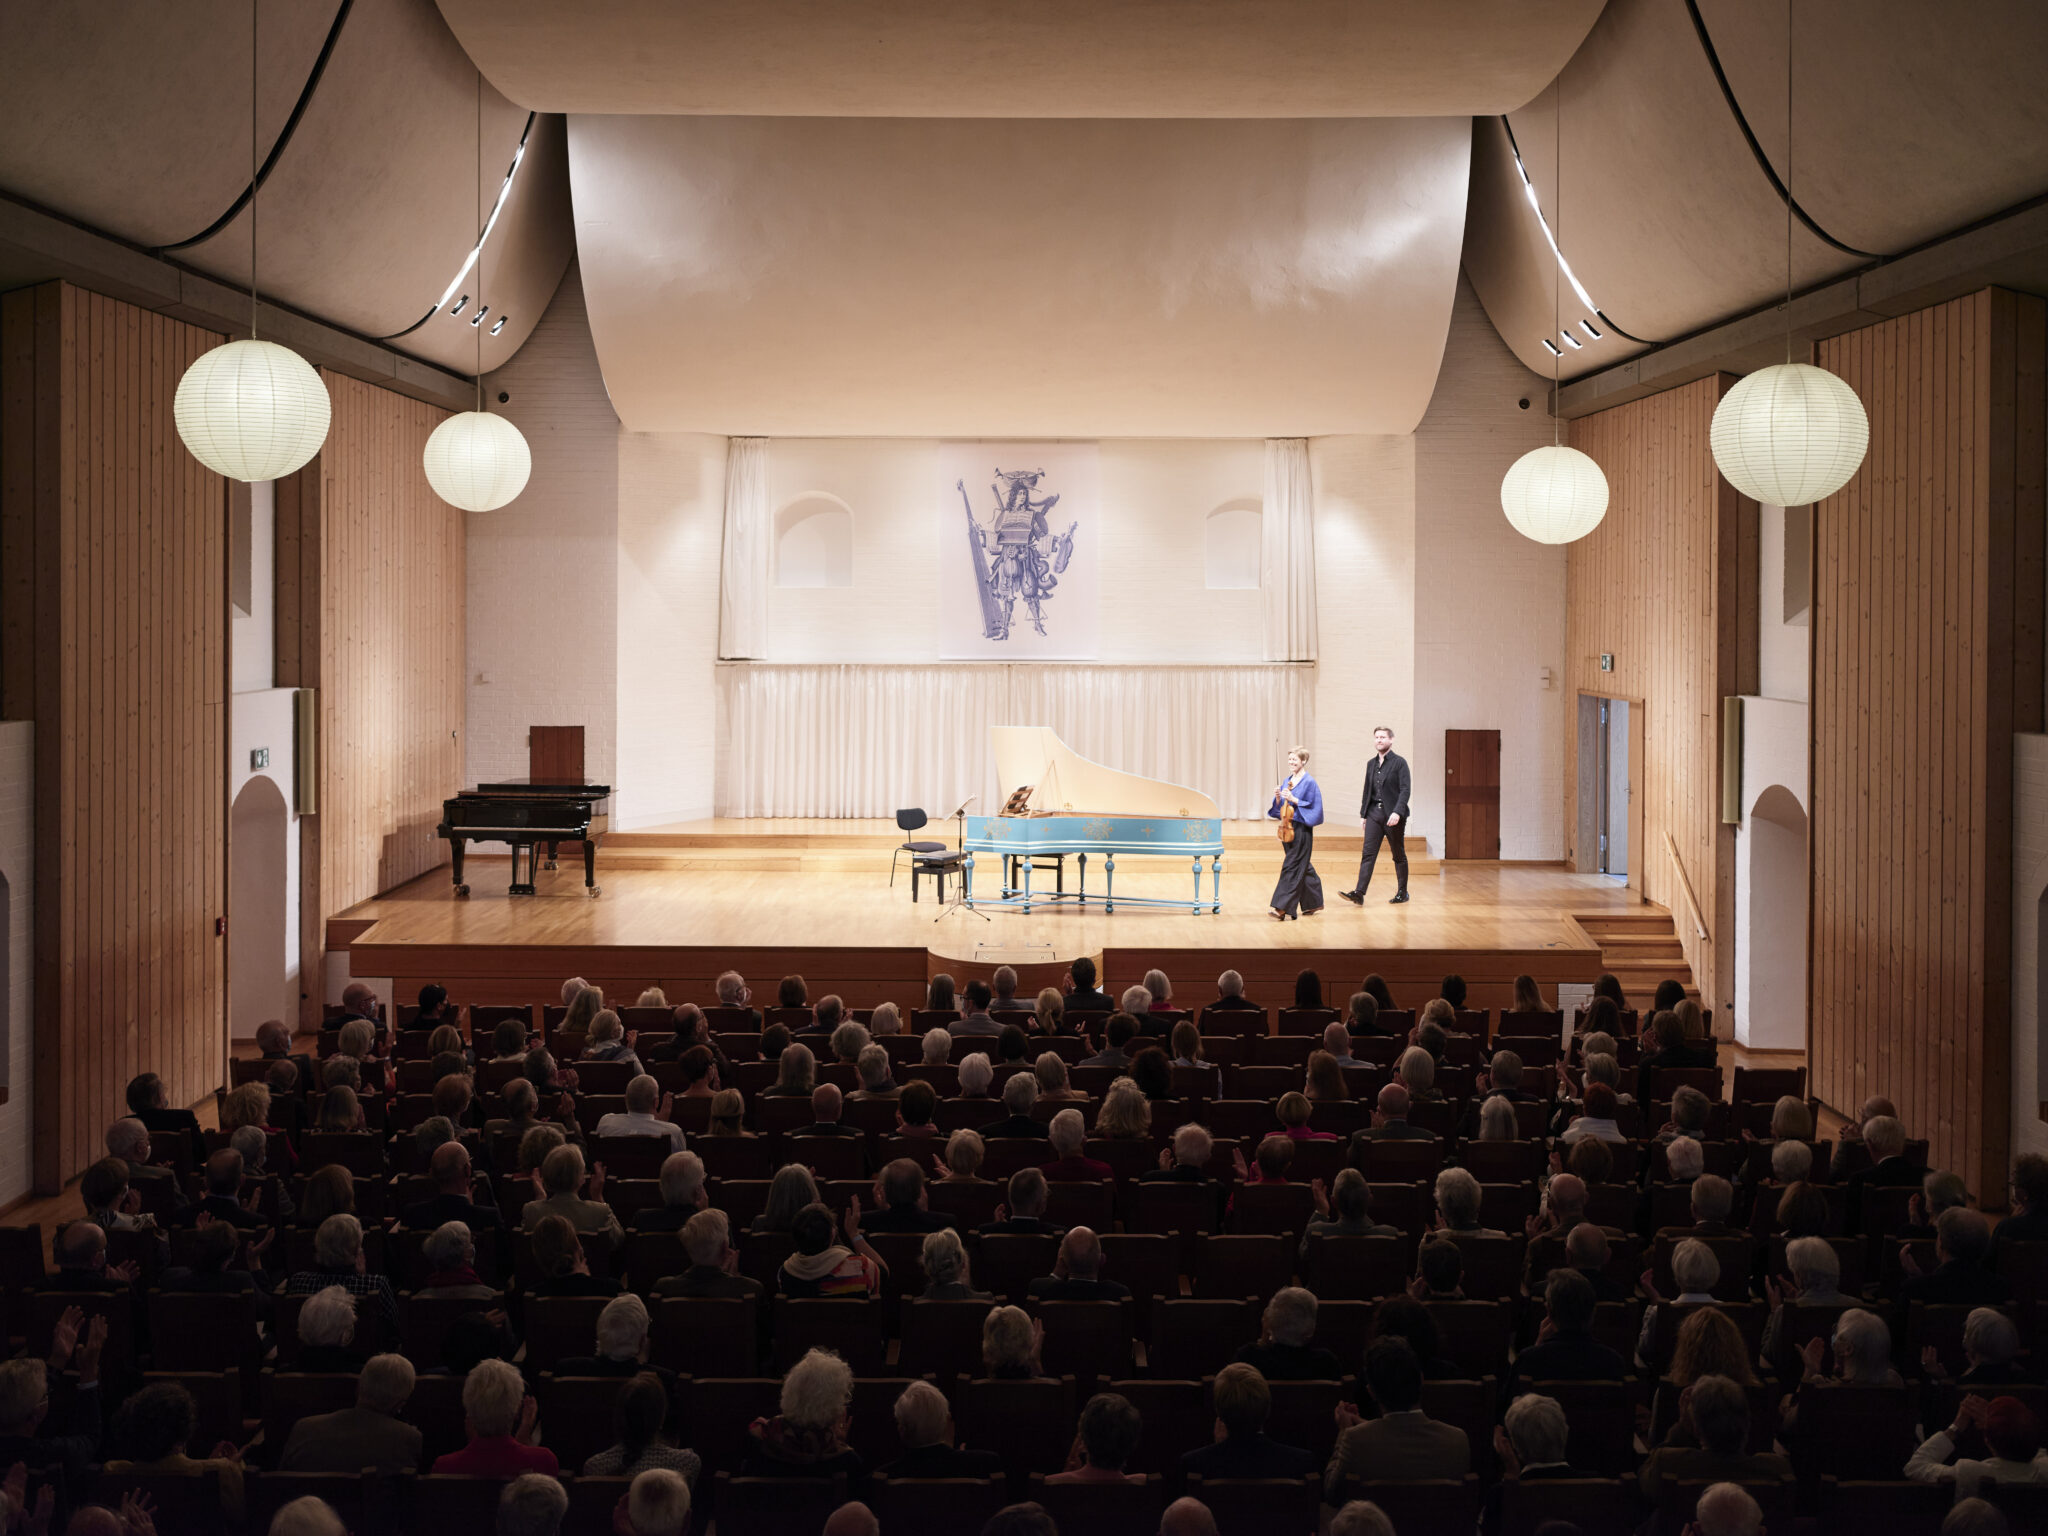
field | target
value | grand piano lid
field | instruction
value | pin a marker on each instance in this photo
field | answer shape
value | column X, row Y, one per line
column 544, row 788
column 1063, row 782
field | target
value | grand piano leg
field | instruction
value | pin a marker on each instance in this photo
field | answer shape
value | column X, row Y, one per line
column 1216, row 882
column 1197, row 907
column 551, row 855
column 1027, row 863
column 590, row 865
column 1083, row 894
column 1109, row 882
column 524, row 887
column 456, row 845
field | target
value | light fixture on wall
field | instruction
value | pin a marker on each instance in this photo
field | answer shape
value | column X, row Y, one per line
column 476, row 460
column 251, row 410
column 1556, row 494
column 1790, row 434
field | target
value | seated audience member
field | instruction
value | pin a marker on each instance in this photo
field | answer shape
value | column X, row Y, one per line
column 658, row 1504
column 1695, row 1270
column 1337, row 1044
column 1939, row 1191
column 46, row 1418
column 1975, row 1517
column 341, row 1112
column 1050, row 1069
column 1403, row 1441
column 1012, row 1046
column 155, row 1426
column 1362, row 1018
column 1709, row 1344
column 1323, row 1081
column 924, row 1423
column 1715, row 1411
column 1814, row 1279
column 128, row 1139
column 808, row 1437
column 1883, row 1137
column 1344, row 1209
column 2028, row 1222
column 1727, row 1509
column 1802, row 1211
column 638, row 1413
column 1126, row 1114
column 555, row 1187
column 329, row 1191
column 1586, row 1250
column 368, row 1435
column 1684, row 1159
column 828, row 1107
column 2009, row 1433
column 1023, row 1213
column 1962, row 1244
column 1003, row 989
column 1117, row 1035
column 944, row 1259
column 1049, row 1012
column 1532, row 1439
column 1308, row 991
column 274, row 1043
column 733, row 992
column 1389, row 1122
column 915, row 1105
column 1077, row 1273
column 1690, row 1110
column 935, row 1049
column 1020, row 1092
column 1495, row 1120
column 714, row 1262
column 900, row 1201
column 1104, row 1442
column 110, row 1204
column 1242, row 1447
column 1712, row 1201
column 1596, row 1118
column 1416, row 1069
column 975, row 1073
column 1161, row 989
column 327, row 1331
column 500, row 1420
column 80, row 1249
column 1137, row 1002
column 728, row 1113
column 450, row 1254
column 1153, row 1074
column 1187, row 1161
column 1011, row 1341
column 1565, row 1349
column 454, row 1195
column 1285, row 1351
column 211, row 1267
column 961, row 1158
column 1082, row 994
column 845, row 1038
column 681, row 1181
column 1862, row 1346
column 1457, row 1205
column 621, row 1344
column 775, row 1039
column 796, row 1072
column 1184, row 1045
column 145, row 1099
column 1991, row 1349
column 1667, row 1033
column 223, row 1199
column 1563, row 1208
column 872, row 1065
column 1293, row 1110
column 1439, row 1271
column 646, row 1114
column 974, row 1018
column 821, row 1267
column 338, row 1260
column 1068, row 1133
column 607, row 1040
column 564, row 1265
column 1271, row 1159
column 1403, row 1317
column 535, row 1146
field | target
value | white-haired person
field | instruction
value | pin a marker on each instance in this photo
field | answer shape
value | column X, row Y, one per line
column 872, row 1067
column 449, row 1252
column 935, row 1047
column 1532, row 1438
column 1416, row 1069
column 556, row 1186
column 370, row 1434
column 608, row 1040
column 638, row 1414
column 1050, row 1069
column 1186, row 1161
column 1727, row 1509
column 500, row 1420
column 621, row 1344
column 338, row 1260
column 1077, row 1272
column 1286, row 1348
column 946, row 1272
column 1361, row 1517
column 681, row 1181
column 646, row 1113
column 1695, row 1270
column 1067, row 1133
column 886, row 1020
column 714, row 1262
column 1862, row 1347
column 1022, row 1214
column 1020, row 1093
column 1011, row 1342
column 657, row 1504
column 924, row 1423
column 308, row 1515
column 1458, row 1201
column 1991, row 1349
column 532, row 1504
column 808, row 1436
column 1813, row 1282
column 975, row 1073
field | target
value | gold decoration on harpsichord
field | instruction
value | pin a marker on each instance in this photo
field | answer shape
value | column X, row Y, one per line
column 1098, row 828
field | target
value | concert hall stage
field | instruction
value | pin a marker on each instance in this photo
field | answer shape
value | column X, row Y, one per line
column 769, row 897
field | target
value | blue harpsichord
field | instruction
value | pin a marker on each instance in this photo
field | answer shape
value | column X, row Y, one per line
column 1059, row 804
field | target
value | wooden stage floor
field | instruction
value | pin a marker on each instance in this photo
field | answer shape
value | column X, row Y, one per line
column 814, row 897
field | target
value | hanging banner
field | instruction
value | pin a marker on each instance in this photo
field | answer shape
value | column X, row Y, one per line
column 1017, row 570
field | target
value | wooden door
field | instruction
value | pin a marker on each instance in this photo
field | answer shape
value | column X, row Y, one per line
column 1471, row 794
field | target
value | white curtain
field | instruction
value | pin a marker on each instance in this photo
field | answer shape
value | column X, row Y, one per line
column 744, row 571
column 862, row 740
column 1287, row 553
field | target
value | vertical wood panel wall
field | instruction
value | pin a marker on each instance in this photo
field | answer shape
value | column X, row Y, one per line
column 370, row 612
column 1657, row 586
column 1927, row 625
column 114, row 570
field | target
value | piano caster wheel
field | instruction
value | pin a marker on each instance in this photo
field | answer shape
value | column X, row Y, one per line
column 549, row 865
column 462, row 891
column 594, row 890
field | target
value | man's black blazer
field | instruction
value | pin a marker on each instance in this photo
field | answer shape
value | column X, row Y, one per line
column 1391, row 779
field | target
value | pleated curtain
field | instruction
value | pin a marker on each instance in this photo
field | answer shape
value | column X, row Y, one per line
column 745, row 563
column 1287, row 553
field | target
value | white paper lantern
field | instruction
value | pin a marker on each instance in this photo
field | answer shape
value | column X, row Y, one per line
column 1790, row 434
column 252, row 410
column 477, row 461
column 1554, row 495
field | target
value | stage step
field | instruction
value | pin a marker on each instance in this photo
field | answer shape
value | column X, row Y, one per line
column 1641, row 948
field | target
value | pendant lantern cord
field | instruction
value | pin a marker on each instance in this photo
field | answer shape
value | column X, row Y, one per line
column 253, row 112
column 476, row 324
column 1557, row 267
column 1788, row 180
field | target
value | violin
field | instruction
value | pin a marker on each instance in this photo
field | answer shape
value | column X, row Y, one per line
column 1286, row 814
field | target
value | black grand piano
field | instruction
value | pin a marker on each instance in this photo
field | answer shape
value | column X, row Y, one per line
column 527, row 813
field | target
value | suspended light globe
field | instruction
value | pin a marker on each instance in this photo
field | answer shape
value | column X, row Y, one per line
column 477, row 461
column 252, row 410
column 1554, row 495
column 1789, row 435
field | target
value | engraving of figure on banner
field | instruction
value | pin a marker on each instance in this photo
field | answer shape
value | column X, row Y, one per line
column 1017, row 557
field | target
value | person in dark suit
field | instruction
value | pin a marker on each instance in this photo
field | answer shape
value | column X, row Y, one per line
column 682, row 1195
column 1230, row 996
column 368, row 1435
column 714, row 1262
column 1285, row 1351
column 452, row 1199
column 1716, row 1410
column 213, row 1270
column 827, row 1105
column 1117, row 1035
column 925, row 1425
column 1243, row 1449
column 1077, row 1273
column 1389, row 1123
column 900, row 1200
column 274, row 1043
column 1024, row 1212
column 1403, row 1441
column 1565, row 1349
column 975, row 1020
column 1885, row 1139
column 145, row 1095
column 1383, row 812
column 223, row 1198
column 1962, row 1243
column 1019, row 1094
column 1083, row 995
column 1299, row 891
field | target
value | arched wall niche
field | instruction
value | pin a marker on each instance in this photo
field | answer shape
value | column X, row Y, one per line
column 814, row 542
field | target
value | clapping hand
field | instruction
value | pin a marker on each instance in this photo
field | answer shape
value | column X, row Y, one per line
column 597, row 1181
column 1346, row 1414
column 1321, row 1192
column 89, row 1351
column 1238, row 1164
column 1649, row 1284
column 1930, row 1364
column 1909, row 1261
column 852, row 1222
column 1165, row 1158
column 64, row 1336
column 668, row 1107
column 125, row 1271
column 529, row 1415
column 1812, row 1353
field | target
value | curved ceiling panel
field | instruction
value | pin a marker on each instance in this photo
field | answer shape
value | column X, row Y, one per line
column 132, row 116
column 1910, row 119
column 811, row 277
column 1022, row 58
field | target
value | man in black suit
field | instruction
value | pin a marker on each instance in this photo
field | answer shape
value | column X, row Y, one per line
column 1117, row 1034
column 223, row 1198
column 368, row 1435
column 1230, row 994
column 1019, row 1094
column 452, row 1200
column 682, row 1195
column 925, row 1425
column 274, row 1042
column 1023, row 1215
column 1962, row 1242
column 1384, row 814
column 1243, row 1404
column 1565, row 1349
column 714, row 1262
column 1083, row 995
column 900, row 1201
column 1077, row 1273
column 1389, row 1123
column 145, row 1096
column 1885, row 1138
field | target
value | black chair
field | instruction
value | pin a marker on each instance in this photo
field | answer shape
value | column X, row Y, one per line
column 912, row 820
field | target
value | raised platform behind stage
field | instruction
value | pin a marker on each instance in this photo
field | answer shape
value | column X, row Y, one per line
column 771, row 898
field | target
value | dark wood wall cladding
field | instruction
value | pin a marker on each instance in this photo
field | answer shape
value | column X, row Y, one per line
column 1927, row 657
column 113, row 562
column 370, row 611
column 1658, row 585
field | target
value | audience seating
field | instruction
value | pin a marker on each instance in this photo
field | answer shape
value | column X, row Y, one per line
column 1421, row 1506
column 1100, row 1509
column 1261, row 1506
column 935, row 1506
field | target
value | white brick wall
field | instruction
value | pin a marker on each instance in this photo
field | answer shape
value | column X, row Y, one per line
column 17, row 869
column 1489, row 604
column 2030, row 891
column 543, row 571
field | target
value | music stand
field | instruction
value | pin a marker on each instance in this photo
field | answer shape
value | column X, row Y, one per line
column 959, row 902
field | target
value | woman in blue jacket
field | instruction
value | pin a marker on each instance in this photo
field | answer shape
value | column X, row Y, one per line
column 1300, row 891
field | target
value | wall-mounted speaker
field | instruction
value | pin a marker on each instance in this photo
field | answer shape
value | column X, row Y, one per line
column 1731, row 760
column 306, row 750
